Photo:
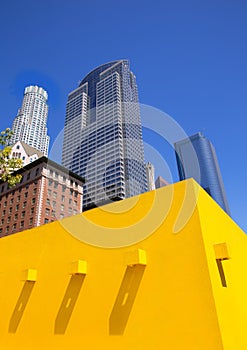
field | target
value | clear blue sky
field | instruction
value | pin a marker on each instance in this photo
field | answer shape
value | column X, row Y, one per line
column 189, row 58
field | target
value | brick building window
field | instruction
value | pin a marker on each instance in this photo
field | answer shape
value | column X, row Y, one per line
column 22, row 224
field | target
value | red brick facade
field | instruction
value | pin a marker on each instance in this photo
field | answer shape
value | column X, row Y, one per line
column 47, row 192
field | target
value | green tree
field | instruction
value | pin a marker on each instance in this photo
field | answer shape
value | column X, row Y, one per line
column 7, row 164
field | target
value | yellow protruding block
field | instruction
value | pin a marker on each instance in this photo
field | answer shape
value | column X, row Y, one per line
column 136, row 257
column 30, row 275
column 221, row 251
column 79, row 267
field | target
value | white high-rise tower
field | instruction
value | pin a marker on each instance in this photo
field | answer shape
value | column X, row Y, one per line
column 29, row 125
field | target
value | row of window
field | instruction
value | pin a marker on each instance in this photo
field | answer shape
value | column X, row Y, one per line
column 17, row 207
column 14, row 227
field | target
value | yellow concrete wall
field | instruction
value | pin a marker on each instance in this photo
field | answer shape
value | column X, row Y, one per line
column 219, row 229
column 170, row 298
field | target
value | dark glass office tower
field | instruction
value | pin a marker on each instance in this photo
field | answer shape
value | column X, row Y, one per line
column 103, row 136
column 196, row 158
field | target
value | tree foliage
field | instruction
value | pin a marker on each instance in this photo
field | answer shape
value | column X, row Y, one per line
column 7, row 164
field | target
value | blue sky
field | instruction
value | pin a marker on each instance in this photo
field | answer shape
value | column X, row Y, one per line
column 189, row 58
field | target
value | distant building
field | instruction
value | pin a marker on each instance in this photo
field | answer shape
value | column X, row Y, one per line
column 103, row 135
column 150, row 176
column 30, row 124
column 160, row 182
column 47, row 192
column 196, row 158
column 25, row 152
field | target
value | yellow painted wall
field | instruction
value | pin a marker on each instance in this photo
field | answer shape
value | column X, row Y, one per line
column 171, row 298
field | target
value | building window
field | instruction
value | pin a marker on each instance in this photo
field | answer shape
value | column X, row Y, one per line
column 62, row 207
column 16, row 217
column 11, row 201
column 33, row 200
column 55, row 195
column 8, row 219
column 50, row 182
column 47, row 211
column 46, row 221
column 30, row 221
column 14, row 228
column 18, row 198
column 70, row 211
column 7, row 229
column 56, row 175
column 48, row 202
column 63, row 198
column 32, row 210
column 23, row 213
column 63, row 189
column 54, row 204
column 55, row 184
column 61, row 216
column 24, row 204
column 4, row 212
column 2, row 221
column 10, row 210
column 22, row 224
column 25, row 194
column 53, row 213
column 49, row 192
column 34, row 191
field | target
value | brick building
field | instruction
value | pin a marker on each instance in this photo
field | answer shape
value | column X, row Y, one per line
column 47, row 192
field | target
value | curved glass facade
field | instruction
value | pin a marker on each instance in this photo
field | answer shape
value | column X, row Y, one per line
column 196, row 158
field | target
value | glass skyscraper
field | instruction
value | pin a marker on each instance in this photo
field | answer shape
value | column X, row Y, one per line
column 103, row 135
column 196, row 158
column 30, row 124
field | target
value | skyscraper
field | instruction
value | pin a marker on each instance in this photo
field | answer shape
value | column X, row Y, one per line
column 150, row 176
column 29, row 125
column 196, row 158
column 103, row 135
